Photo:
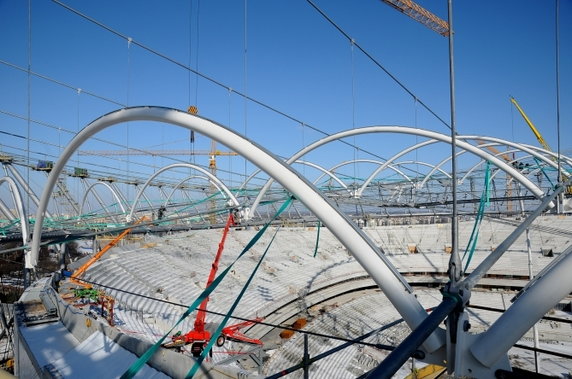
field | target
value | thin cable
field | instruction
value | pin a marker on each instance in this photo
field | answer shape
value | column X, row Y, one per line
column 197, row 53
column 277, row 326
column 29, row 79
column 557, row 31
column 245, row 74
column 353, row 74
column 208, row 78
column 376, row 62
column 45, row 77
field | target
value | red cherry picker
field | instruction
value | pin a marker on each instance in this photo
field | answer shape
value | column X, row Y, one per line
column 199, row 337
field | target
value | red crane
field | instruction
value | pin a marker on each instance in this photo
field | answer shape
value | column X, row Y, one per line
column 199, row 337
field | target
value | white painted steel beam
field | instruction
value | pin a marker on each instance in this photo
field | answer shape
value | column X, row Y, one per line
column 22, row 213
column 355, row 240
column 528, row 308
column 213, row 179
column 91, row 188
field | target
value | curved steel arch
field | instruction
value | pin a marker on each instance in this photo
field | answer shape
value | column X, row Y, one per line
column 180, row 184
column 113, row 192
column 434, row 136
column 305, row 150
column 324, row 172
column 423, row 164
column 517, row 146
column 480, row 163
column 168, row 197
column 355, row 240
column 392, row 167
column 213, row 179
column 21, row 212
column 550, row 153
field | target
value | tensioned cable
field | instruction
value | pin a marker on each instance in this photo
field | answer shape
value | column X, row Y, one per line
column 376, row 62
column 96, row 139
column 301, row 331
column 206, row 77
column 33, row 73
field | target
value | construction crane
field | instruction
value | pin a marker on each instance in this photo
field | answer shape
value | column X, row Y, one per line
column 421, row 15
column 540, row 139
column 199, row 337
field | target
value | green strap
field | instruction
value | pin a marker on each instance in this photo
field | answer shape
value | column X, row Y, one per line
column 143, row 359
column 485, row 197
column 544, row 172
column 217, row 333
column 317, row 239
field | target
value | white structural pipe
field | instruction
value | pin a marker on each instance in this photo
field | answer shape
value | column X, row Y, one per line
column 189, row 198
column 26, row 187
column 315, row 145
column 447, row 139
column 213, row 179
column 91, row 188
column 520, row 147
column 22, row 213
column 324, row 172
column 417, row 132
column 539, row 298
column 4, row 209
column 355, row 240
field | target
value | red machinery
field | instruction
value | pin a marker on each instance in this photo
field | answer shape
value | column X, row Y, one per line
column 199, row 337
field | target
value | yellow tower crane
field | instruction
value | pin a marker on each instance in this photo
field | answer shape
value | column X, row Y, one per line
column 540, row 139
column 420, row 14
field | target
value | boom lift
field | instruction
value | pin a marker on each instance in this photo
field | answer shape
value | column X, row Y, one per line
column 199, row 337
column 80, row 271
column 540, row 139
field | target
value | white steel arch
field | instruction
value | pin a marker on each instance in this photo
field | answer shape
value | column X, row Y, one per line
column 380, row 163
column 213, row 179
column 434, row 136
column 402, row 163
column 180, row 184
column 22, row 213
column 520, row 147
column 324, row 172
column 355, row 240
column 111, row 189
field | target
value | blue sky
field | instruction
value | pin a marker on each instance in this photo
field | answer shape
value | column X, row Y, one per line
column 292, row 59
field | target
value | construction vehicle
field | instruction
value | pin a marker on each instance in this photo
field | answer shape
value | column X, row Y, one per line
column 541, row 140
column 80, row 271
column 199, row 337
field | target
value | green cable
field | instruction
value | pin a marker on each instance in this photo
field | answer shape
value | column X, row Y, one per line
column 544, row 172
column 143, row 359
column 317, row 239
column 485, row 197
column 217, row 333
